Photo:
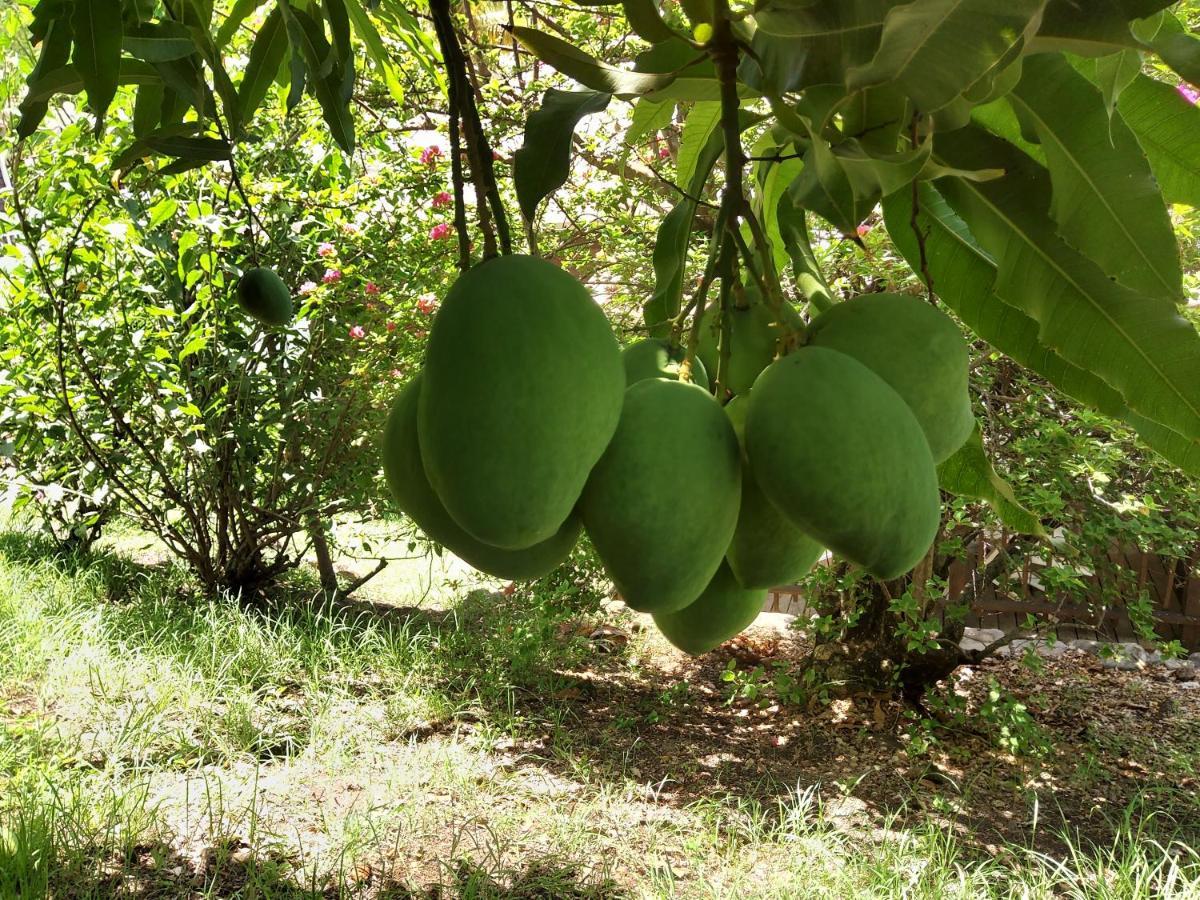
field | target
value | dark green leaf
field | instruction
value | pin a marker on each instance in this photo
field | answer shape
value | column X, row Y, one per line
column 935, row 50
column 542, row 164
column 831, row 38
column 195, row 148
column 1139, row 344
column 1105, row 199
column 147, row 109
column 1166, row 126
column 585, row 69
column 97, row 52
column 56, row 50
column 646, row 22
column 238, row 14
column 159, row 42
column 969, row 473
column 793, row 230
column 67, row 80
column 266, row 55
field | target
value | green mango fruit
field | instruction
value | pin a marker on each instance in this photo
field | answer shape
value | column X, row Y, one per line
column 522, row 392
column 654, row 358
column 406, row 480
column 724, row 610
column 262, row 294
column 839, row 452
column 754, row 333
column 767, row 550
column 662, row 502
column 914, row 347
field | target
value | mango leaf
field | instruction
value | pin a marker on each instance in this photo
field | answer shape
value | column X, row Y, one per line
column 1105, row 199
column 97, row 52
column 969, row 473
column 1114, row 73
column 1095, row 28
column 325, row 76
column 158, row 42
column 339, row 27
column 793, row 231
column 1139, row 344
column 936, row 49
column 826, row 189
column 266, row 55
column 238, row 14
column 830, row 37
column 646, row 21
column 543, row 163
column 585, row 69
column 648, row 117
column 775, row 64
column 702, row 120
column 147, row 109
column 671, row 242
column 964, row 277
column 67, row 79
column 56, row 50
column 369, row 35
column 1166, row 126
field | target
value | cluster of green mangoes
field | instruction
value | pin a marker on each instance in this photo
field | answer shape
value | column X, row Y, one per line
column 528, row 423
column 262, row 294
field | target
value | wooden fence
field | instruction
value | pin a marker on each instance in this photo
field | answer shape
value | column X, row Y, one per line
column 1169, row 587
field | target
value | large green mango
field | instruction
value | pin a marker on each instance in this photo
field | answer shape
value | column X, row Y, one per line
column 522, row 392
column 914, row 347
column 767, row 549
column 662, row 503
column 754, row 333
column 263, row 295
column 654, row 358
column 406, row 480
column 838, row 451
column 724, row 610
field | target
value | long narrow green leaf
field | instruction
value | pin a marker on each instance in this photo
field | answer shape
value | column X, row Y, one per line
column 158, row 42
column 824, row 40
column 56, row 50
column 969, row 473
column 97, row 53
column 1105, row 199
column 266, row 55
column 702, row 120
column 239, row 13
column 937, row 49
column 585, row 69
column 1139, row 344
column 1166, row 126
column 543, row 163
column 67, row 79
column 369, row 35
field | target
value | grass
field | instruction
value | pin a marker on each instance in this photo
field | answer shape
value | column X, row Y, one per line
column 157, row 744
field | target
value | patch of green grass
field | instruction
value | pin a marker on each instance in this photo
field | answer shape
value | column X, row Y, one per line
column 164, row 745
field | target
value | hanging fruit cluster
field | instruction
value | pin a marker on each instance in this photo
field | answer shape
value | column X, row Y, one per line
column 529, row 424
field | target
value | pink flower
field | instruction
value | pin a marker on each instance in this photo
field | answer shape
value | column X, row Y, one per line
column 495, row 156
column 391, row 326
column 397, row 373
column 430, row 155
column 308, row 287
column 326, row 249
column 439, row 231
column 358, row 332
column 443, row 198
column 371, row 288
column 427, row 303
column 332, row 276
column 863, row 230
column 1189, row 93
column 664, row 152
